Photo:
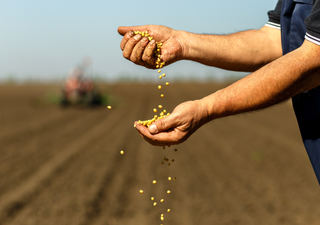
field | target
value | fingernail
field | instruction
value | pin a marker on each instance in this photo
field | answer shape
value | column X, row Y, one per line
column 131, row 33
column 153, row 128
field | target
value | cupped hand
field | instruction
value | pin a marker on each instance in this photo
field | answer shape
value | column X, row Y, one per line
column 140, row 50
column 185, row 119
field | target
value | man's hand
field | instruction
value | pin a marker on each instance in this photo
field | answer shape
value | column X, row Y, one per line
column 139, row 50
column 185, row 119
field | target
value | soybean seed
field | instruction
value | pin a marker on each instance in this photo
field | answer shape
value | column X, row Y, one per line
column 155, row 110
column 168, row 210
column 159, row 87
column 167, row 83
column 162, row 200
column 141, row 191
column 160, row 106
column 169, row 178
column 168, row 191
column 152, row 198
column 154, row 181
column 154, row 204
column 109, row 107
column 121, row 152
column 162, row 95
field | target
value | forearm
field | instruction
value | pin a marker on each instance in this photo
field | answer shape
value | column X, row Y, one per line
column 283, row 78
column 242, row 51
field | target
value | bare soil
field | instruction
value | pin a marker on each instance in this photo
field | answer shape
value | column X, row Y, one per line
column 63, row 165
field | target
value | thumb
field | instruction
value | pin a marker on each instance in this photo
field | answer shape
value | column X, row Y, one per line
column 161, row 125
column 122, row 30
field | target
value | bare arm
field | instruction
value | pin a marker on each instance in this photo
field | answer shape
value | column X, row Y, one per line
column 242, row 51
column 281, row 79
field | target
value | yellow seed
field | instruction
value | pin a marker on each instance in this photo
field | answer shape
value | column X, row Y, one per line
column 152, row 198
column 163, row 74
column 167, row 83
column 159, row 71
column 162, row 200
column 109, row 107
column 162, row 218
column 160, row 106
column 121, row 152
column 162, row 95
column 161, row 114
column 168, row 114
column 169, row 178
column 160, row 77
column 155, row 110
column 168, row 210
column 154, row 181
column 141, row 191
column 154, row 204
column 157, row 66
column 155, row 116
column 164, row 111
column 159, row 87
column 168, row 191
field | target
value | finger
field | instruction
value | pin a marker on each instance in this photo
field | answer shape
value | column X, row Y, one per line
column 164, row 124
column 148, row 54
column 125, row 39
column 130, row 45
column 161, row 139
column 136, row 55
column 122, row 30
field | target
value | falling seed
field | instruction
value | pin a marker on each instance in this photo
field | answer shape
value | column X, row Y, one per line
column 154, row 181
column 168, row 210
column 121, row 152
column 163, row 147
column 167, row 83
column 159, row 71
column 168, row 191
column 175, row 150
column 162, row 95
column 169, row 178
column 152, row 198
column 159, row 87
column 169, row 164
column 109, row 107
column 162, row 163
column 172, row 160
column 174, row 178
column 160, row 106
column 141, row 191
column 154, row 204
column 162, row 200
column 162, row 218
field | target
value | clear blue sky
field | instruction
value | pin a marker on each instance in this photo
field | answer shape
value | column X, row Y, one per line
column 43, row 39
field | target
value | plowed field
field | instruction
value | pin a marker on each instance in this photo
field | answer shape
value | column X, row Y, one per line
column 62, row 166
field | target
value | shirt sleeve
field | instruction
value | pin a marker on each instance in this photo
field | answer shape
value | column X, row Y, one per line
column 274, row 16
column 313, row 25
